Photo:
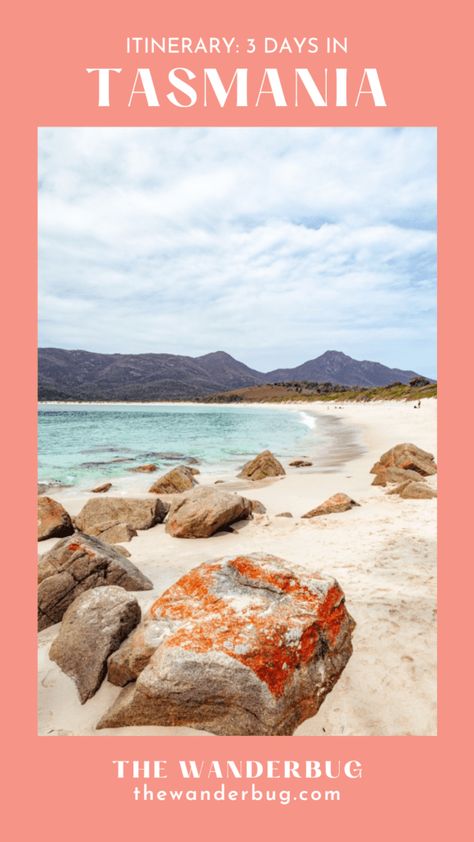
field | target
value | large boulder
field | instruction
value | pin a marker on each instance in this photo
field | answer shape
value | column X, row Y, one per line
column 77, row 564
column 262, row 466
column 93, row 627
column 137, row 513
column 409, row 457
column 175, row 481
column 337, row 503
column 202, row 512
column 247, row 645
column 53, row 519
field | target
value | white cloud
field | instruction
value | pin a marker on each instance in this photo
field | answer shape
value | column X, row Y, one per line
column 272, row 244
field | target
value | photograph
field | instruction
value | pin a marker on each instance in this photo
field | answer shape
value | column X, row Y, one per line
column 237, row 431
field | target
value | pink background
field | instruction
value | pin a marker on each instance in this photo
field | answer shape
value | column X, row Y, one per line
column 65, row 788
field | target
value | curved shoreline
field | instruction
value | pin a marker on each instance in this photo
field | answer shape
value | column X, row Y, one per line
column 330, row 443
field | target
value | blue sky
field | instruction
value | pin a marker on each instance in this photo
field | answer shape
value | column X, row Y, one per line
column 274, row 244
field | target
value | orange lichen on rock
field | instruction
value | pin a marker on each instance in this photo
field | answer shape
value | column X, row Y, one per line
column 276, row 627
column 243, row 645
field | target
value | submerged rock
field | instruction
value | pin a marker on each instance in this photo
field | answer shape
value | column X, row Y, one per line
column 53, row 519
column 262, row 466
column 145, row 469
column 202, row 512
column 240, row 646
column 77, row 564
column 174, row 482
column 409, row 457
column 337, row 503
column 137, row 513
column 93, row 627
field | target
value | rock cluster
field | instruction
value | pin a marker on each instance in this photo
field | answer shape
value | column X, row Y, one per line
column 408, row 457
column 53, row 519
column 262, row 466
column 77, row 564
column 300, row 463
column 406, row 465
column 243, row 645
column 203, row 511
column 93, row 627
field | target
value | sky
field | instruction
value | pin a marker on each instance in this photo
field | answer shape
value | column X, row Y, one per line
column 273, row 244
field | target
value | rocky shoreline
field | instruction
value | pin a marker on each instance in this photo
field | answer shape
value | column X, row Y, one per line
column 86, row 569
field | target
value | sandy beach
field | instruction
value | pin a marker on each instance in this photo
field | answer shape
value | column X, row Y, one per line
column 383, row 554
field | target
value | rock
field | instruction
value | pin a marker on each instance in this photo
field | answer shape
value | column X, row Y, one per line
column 170, row 457
column 420, row 381
column 53, row 519
column 336, row 503
column 262, row 466
column 42, row 487
column 240, row 646
column 77, row 564
column 122, row 550
column 203, row 511
column 93, row 627
column 390, row 475
column 300, row 463
column 174, row 482
column 145, row 469
column 101, row 489
column 257, row 507
column 414, row 490
column 407, row 456
column 284, row 514
column 194, row 471
column 112, row 531
column 137, row 513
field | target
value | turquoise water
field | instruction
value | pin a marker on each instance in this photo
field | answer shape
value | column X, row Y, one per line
column 81, row 443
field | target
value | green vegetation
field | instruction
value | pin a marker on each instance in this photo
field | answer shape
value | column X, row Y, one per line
column 278, row 392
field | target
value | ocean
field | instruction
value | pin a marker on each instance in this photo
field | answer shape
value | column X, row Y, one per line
column 81, row 444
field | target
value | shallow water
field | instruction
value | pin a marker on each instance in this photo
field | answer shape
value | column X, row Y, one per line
column 81, row 443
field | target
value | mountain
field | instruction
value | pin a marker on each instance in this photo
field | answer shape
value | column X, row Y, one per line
column 88, row 376
column 336, row 367
column 84, row 375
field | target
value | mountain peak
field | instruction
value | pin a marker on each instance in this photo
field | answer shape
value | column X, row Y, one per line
column 215, row 355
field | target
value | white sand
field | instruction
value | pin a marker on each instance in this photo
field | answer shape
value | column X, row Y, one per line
column 383, row 554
